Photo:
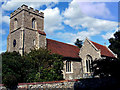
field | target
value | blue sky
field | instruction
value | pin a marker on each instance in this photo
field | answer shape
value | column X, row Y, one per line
column 67, row 21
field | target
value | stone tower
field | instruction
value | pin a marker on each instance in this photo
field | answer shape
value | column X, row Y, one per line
column 26, row 30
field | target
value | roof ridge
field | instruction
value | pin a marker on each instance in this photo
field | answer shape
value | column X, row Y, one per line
column 62, row 42
column 104, row 47
column 92, row 44
column 112, row 52
column 98, row 43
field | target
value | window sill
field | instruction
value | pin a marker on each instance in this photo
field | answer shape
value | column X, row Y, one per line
column 68, row 72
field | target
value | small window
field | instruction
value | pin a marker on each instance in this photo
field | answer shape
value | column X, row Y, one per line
column 68, row 66
column 15, row 24
column 34, row 42
column 14, row 43
column 34, row 25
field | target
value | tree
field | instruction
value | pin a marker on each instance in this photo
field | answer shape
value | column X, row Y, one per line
column 106, row 67
column 48, row 66
column 78, row 43
column 38, row 65
column 10, row 82
column 115, row 43
column 11, row 65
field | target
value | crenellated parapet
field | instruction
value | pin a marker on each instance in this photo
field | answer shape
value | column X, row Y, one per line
column 30, row 9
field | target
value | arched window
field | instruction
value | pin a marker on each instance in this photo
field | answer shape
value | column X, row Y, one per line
column 34, row 25
column 68, row 66
column 14, row 43
column 88, row 63
column 34, row 42
column 15, row 24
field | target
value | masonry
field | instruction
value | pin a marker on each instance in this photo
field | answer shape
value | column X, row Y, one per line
column 75, row 84
column 22, row 32
column 27, row 32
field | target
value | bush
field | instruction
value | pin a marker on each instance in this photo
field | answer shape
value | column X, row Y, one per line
column 10, row 82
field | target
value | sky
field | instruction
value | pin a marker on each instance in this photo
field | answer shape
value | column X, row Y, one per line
column 67, row 20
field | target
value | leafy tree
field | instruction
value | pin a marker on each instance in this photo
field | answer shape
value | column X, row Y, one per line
column 115, row 43
column 10, row 82
column 11, row 64
column 48, row 66
column 38, row 65
column 15, row 64
column 106, row 67
column 78, row 43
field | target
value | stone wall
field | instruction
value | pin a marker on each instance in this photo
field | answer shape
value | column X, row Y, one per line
column 28, row 16
column 24, row 16
column 12, row 37
column 76, row 72
column 42, row 41
column 24, row 33
column 20, row 20
column 52, row 84
column 29, row 37
column 108, row 83
column 88, row 49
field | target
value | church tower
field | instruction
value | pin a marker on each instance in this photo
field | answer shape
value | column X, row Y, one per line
column 26, row 30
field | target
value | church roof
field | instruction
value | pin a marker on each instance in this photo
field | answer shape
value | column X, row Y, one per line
column 72, row 51
column 41, row 32
column 63, row 49
column 105, row 51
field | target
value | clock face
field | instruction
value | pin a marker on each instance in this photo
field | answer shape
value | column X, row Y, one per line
column 14, row 43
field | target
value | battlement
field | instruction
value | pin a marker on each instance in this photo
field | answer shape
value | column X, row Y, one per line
column 30, row 9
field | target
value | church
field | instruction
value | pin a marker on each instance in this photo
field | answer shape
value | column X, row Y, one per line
column 27, row 32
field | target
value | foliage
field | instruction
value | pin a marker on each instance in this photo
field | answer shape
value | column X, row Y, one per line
column 78, row 43
column 11, row 64
column 38, row 65
column 106, row 67
column 48, row 66
column 10, row 82
column 115, row 43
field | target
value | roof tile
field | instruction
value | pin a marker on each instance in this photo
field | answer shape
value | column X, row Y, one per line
column 41, row 32
column 63, row 49
column 104, row 50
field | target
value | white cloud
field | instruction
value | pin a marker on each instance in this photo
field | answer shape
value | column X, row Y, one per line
column 6, row 19
column 0, row 16
column 71, row 37
column 1, row 51
column 2, row 43
column 76, row 19
column 73, row 16
column 53, row 20
column 110, row 34
column 13, row 4
column 95, row 9
column 97, row 0
column 2, row 32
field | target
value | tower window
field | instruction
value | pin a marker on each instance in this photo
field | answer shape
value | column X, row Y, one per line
column 34, row 25
column 88, row 63
column 14, row 43
column 15, row 23
column 68, row 66
column 34, row 42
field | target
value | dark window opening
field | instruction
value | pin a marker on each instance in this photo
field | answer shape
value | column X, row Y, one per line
column 14, row 43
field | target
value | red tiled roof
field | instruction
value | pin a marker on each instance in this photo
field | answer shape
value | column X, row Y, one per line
column 63, row 49
column 104, row 50
column 41, row 32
